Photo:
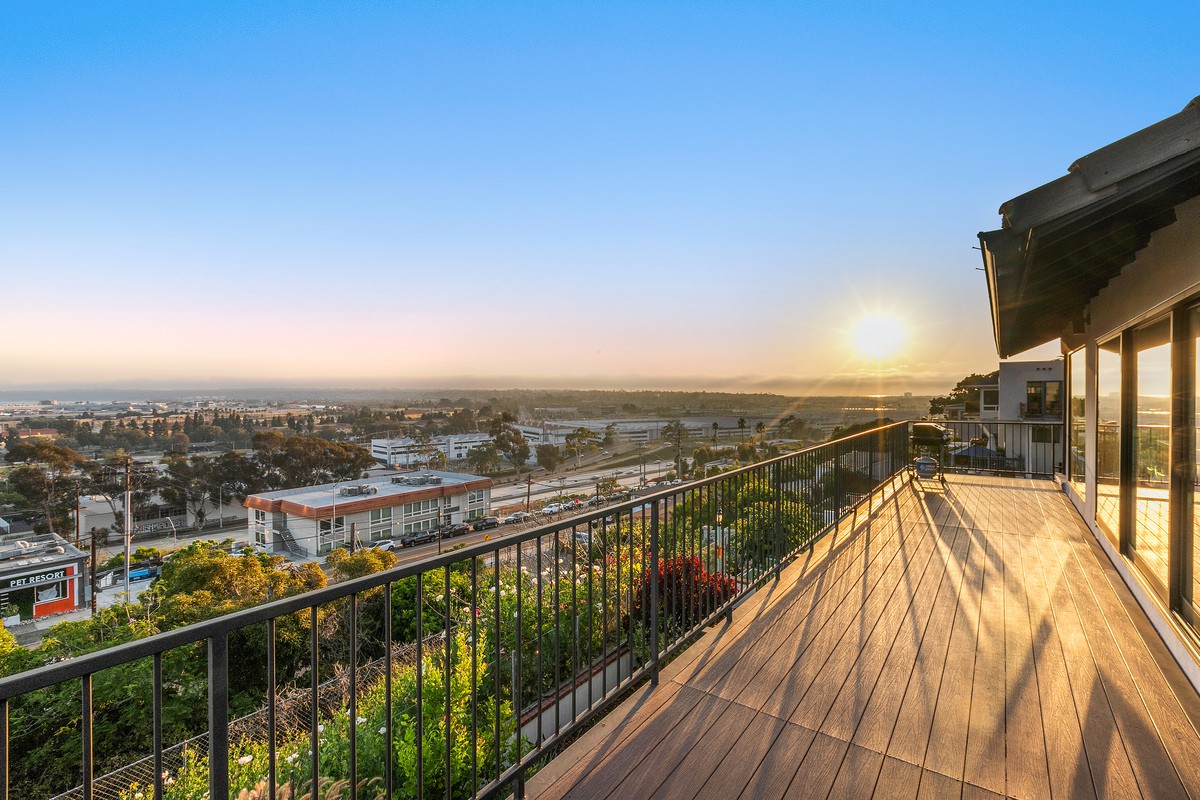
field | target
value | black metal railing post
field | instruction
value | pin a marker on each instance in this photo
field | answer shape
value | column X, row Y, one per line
column 777, row 487
column 86, row 730
column 156, row 722
column 654, row 599
column 218, row 715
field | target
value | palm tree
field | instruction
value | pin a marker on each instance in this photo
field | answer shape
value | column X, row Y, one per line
column 715, row 428
column 742, row 427
column 760, row 428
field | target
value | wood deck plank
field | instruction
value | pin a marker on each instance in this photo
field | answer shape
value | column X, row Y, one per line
column 1147, row 755
column 976, row 761
column 1174, row 729
column 734, row 771
column 1027, row 773
column 793, row 611
column 857, row 775
column 775, row 772
column 932, row 725
column 686, row 777
column 671, row 750
column 883, row 710
column 784, row 678
column 903, row 617
column 1107, row 760
column 844, row 657
column 962, row 641
column 773, row 684
column 897, row 779
column 1069, row 773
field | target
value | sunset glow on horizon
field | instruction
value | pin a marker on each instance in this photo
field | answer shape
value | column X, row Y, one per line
column 528, row 194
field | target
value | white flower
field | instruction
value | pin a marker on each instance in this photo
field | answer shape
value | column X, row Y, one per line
column 245, row 759
column 383, row 731
column 320, row 729
column 292, row 757
column 138, row 796
column 359, row 720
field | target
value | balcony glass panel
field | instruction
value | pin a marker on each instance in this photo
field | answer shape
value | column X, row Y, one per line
column 1152, row 450
column 1108, row 438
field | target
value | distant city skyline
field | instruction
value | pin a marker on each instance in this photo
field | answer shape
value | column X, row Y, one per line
column 539, row 195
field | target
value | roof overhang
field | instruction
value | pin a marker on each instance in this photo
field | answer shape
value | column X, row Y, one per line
column 1062, row 243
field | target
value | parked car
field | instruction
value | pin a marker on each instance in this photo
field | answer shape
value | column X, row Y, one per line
column 419, row 537
column 457, row 529
column 596, row 500
column 485, row 523
column 574, row 504
column 516, row 516
column 552, row 508
column 384, row 544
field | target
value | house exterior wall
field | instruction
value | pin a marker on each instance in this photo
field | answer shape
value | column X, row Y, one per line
column 1015, row 377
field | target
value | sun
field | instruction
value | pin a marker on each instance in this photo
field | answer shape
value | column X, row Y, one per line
column 878, row 336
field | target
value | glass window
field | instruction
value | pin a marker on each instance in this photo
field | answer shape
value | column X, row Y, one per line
column 1077, row 454
column 1152, row 448
column 1195, row 595
column 330, row 534
column 1108, row 438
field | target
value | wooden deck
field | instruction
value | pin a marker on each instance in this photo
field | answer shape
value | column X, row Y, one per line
column 969, row 642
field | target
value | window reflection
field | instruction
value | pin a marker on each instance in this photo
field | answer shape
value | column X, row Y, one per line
column 1077, row 455
column 1108, row 438
column 1152, row 448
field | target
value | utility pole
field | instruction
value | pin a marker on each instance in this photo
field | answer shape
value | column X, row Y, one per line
column 77, row 515
column 128, row 533
column 528, row 491
column 93, row 537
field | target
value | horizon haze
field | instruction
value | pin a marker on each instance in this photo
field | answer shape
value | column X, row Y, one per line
column 729, row 196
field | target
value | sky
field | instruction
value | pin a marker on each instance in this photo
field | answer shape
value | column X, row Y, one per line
column 701, row 195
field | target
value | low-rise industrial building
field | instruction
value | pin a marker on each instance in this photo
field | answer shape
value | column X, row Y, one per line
column 312, row 520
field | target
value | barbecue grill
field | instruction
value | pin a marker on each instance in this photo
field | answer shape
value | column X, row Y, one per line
column 929, row 442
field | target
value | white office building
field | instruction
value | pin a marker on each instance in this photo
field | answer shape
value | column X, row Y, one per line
column 312, row 520
column 409, row 452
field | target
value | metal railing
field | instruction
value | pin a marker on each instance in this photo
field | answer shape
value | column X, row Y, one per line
column 997, row 447
column 536, row 633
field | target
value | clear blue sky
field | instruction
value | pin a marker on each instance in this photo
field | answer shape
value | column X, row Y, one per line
column 538, row 194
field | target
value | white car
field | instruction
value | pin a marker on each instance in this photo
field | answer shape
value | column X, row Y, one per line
column 553, row 508
column 384, row 544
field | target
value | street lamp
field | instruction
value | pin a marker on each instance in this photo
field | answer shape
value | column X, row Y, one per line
column 174, row 532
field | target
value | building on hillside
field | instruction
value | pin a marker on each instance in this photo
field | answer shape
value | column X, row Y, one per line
column 40, row 574
column 37, row 433
column 1106, row 259
column 312, row 520
column 409, row 452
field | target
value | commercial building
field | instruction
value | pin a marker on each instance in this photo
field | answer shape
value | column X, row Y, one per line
column 40, row 574
column 1106, row 259
column 409, row 452
column 312, row 520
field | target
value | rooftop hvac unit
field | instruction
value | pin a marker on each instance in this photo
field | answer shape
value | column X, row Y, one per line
column 435, row 479
column 367, row 488
column 351, row 491
column 420, row 480
column 401, row 480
